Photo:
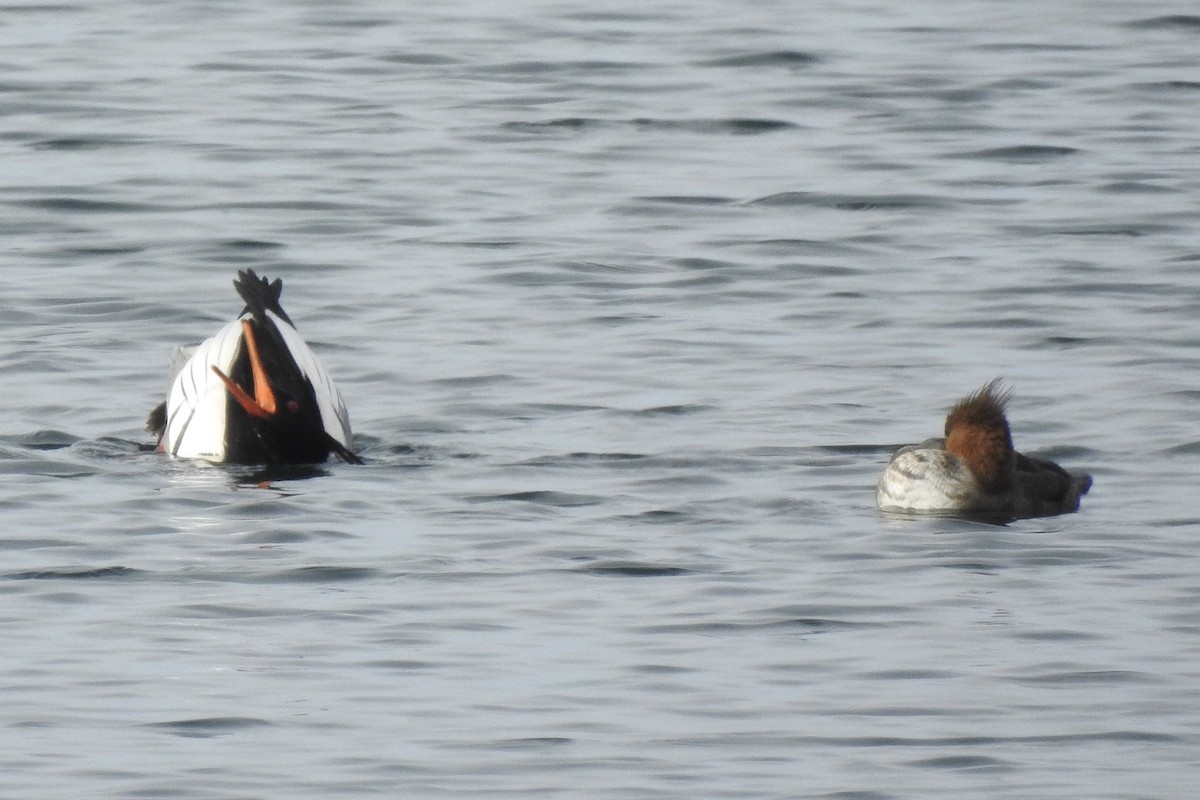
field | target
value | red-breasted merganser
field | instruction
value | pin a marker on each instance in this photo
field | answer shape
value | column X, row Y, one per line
column 254, row 393
column 975, row 468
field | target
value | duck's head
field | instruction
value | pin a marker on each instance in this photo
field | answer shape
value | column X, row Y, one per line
column 977, row 433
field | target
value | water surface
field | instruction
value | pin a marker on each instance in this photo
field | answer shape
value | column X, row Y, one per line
column 630, row 305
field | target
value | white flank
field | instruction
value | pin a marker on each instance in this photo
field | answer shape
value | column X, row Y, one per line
column 927, row 479
column 334, row 416
column 196, row 404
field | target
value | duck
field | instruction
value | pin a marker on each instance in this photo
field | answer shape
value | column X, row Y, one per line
column 974, row 468
column 253, row 392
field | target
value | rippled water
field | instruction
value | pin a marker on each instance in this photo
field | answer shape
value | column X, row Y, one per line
column 630, row 304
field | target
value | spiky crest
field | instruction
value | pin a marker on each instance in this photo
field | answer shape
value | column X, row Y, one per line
column 977, row 432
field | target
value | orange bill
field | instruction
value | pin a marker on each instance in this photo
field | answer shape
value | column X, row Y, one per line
column 262, row 405
column 247, row 402
column 262, row 387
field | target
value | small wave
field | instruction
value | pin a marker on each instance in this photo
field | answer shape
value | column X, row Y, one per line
column 83, row 573
column 671, row 410
column 772, row 58
column 583, row 459
column 540, row 498
column 322, row 574
column 1020, row 154
column 474, row 381
column 558, row 124
column 740, row 126
column 804, row 626
column 80, row 205
column 688, row 200
column 543, row 68
column 1172, row 86
column 532, row 743
column 85, row 143
column 1137, row 187
column 1108, row 677
column 962, row 762
column 849, row 202
column 633, row 569
column 1182, row 22
column 1132, row 230
column 250, row 244
column 47, row 439
column 656, row 516
column 731, row 126
column 419, row 59
column 206, row 727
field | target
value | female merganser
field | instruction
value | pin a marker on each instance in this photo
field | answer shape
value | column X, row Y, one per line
column 976, row 469
column 254, row 393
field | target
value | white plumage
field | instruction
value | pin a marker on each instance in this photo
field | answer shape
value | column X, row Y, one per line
column 210, row 416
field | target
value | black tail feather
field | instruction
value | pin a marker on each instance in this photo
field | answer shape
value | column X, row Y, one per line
column 343, row 452
column 261, row 295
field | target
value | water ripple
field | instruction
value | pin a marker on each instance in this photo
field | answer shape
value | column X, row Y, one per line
column 208, row 727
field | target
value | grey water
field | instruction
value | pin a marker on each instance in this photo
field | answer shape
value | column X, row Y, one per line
column 630, row 303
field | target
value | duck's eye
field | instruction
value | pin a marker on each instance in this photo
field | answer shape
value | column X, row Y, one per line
column 293, row 406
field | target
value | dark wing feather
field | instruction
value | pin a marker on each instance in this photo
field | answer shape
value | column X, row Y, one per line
column 1050, row 483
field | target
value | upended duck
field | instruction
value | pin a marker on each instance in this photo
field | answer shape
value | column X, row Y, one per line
column 975, row 468
column 254, row 393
